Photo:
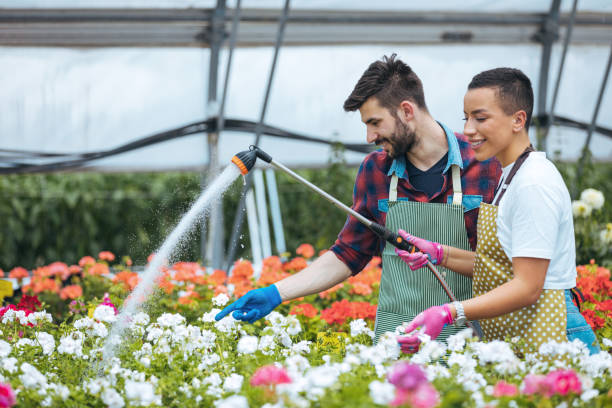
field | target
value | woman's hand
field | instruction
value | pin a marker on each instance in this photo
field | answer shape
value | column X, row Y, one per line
column 428, row 251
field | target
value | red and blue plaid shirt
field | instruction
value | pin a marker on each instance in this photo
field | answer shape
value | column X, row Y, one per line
column 357, row 244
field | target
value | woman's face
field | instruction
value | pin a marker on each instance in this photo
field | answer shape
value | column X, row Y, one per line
column 489, row 129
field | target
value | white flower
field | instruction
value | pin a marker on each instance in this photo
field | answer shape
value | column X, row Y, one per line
column 112, row 398
column 493, row 352
column 359, row 326
column 141, row 393
column 32, row 378
column 170, row 320
column 8, row 317
column 9, row 364
column 104, row 313
column 322, row 376
column 155, row 333
column 227, row 324
column 84, row 323
column 293, row 325
column 247, row 345
column 210, row 316
column 276, row 319
column 581, row 209
column 208, row 360
column 95, row 385
column 141, row 319
column 382, row 393
column 301, row 347
column 606, row 235
column 607, row 342
column 46, row 341
column 145, row 361
column 5, row 348
column 233, row 383
column 220, row 300
column 593, row 198
column 235, row 401
column 39, row 317
column 100, row 330
column 71, row 344
column 588, row 395
column 61, row 390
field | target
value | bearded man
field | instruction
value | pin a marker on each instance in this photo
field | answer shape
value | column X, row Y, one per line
column 424, row 180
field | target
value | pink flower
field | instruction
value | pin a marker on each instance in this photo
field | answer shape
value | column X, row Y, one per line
column 406, row 376
column 7, row 396
column 270, row 375
column 564, row 382
column 503, row 389
column 536, row 384
column 107, row 302
column 423, row 396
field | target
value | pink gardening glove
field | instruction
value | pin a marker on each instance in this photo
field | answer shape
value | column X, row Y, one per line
column 433, row 320
column 429, row 251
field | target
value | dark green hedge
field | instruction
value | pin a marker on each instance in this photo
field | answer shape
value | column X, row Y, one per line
column 65, row 216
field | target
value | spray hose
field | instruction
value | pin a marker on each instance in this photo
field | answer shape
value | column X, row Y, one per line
column 245, row 161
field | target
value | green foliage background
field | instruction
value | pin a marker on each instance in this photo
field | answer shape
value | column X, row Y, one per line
column 64, row 216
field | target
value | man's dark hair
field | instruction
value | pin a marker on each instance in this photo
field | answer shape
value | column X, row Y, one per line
column 513, row 89
column 390, row 81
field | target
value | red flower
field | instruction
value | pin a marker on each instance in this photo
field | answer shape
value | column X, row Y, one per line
column 340, row 311
column 304, row 309
column 18, row 273
column 270, row 375
column 86, row 260
column 30, row 303
column 7, row 396
column 106, row 256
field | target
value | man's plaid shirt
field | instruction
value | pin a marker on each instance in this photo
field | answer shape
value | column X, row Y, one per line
column 356, row 244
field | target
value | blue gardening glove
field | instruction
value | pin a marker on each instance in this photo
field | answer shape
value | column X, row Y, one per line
column 254, row 305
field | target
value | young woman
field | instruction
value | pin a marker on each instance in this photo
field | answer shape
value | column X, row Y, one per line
column 524, row 267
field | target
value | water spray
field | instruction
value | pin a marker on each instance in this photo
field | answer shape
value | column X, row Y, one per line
column 245, row 161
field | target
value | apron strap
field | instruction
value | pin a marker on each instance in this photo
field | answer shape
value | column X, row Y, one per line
column 393, row 188
column 517, row 165
column 457, row 192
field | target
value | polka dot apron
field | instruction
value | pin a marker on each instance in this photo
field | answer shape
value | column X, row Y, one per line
column 539, row 323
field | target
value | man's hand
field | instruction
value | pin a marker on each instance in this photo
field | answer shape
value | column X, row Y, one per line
column 432, row 320
column 429, row 251
column 254, row 305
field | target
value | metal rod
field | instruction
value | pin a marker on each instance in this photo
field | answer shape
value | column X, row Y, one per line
column 239, row 217
column 566, row 41
column 592, row 126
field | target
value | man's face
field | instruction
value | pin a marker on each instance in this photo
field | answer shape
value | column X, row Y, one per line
column 385, row 129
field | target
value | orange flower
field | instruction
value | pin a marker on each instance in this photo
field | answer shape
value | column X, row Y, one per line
column 71, row 292
column 98, row 269
column 340, row 311
column 360, row 288
column 128, row 278
column 40, row 284
column 272, row 263
column 221, row 289
column 306, row 250
column 218, row 277
column 74, row 269
column 304, row 309
column 86, row 261
column 106, row 256
column 18, row 273
column 242, row 288
column 1, row 273
column 59, row 269
column 269, row 277
column 321, row 252
column 295, row 265
column 164, row 283
column 242, row 268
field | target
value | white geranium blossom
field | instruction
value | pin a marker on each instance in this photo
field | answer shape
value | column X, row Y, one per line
column 105, row 314
column 170, row 320
column 32, row 378
column 9, row 364
column 46, row 341
column 210, row 316
column 220, row 300
column 112, row 398
column 5, row 349
column 382, row 393
column 593, row 198
column 233, row 383
column 235, row 401
column 40, row 317
column 606, row 236
column 247, row 345
column 141, row 393
column 227, row 324
column 141, row 319
column 359, row 326
column 72, row 344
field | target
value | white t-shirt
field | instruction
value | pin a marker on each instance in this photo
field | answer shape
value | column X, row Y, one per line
column 535, row 220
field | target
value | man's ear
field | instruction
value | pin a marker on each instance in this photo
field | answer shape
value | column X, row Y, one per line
column 406, row 110
column 519, row 120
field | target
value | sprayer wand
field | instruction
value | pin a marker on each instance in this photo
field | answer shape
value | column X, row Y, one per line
column 245, row 161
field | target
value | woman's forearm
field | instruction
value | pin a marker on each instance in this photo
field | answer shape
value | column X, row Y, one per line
column 459, row 260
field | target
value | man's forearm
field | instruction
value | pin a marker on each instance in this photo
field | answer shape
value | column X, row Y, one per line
column 322, row 274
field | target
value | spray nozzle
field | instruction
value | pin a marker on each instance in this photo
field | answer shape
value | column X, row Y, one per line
column 246, row 159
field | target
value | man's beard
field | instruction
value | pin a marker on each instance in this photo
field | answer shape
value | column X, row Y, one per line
column 401, row 141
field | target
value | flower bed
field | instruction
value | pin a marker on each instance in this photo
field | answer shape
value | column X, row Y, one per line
column 315, row 351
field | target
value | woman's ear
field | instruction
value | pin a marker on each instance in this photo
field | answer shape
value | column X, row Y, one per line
column 519, row 120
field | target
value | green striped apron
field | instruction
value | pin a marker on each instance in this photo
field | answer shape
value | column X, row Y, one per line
column 405, row 293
